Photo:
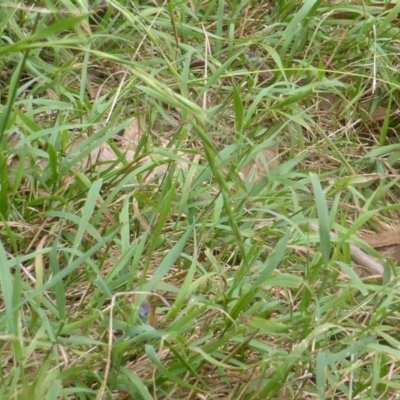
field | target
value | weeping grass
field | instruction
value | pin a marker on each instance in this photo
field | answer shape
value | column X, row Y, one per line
column 246, row 302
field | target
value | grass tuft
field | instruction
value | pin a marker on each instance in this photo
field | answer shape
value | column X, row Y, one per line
column 160, row 168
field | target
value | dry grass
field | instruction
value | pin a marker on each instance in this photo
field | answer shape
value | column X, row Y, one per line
column 191, row 212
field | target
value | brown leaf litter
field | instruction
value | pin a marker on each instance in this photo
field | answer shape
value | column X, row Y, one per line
column 104, row 155
column 386, row 242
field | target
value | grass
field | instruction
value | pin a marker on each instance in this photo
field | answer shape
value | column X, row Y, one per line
column 246, row 302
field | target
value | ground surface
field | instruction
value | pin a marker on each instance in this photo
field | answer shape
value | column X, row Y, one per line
column 154, row 245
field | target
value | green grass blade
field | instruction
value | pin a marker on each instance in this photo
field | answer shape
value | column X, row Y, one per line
column 323, row 218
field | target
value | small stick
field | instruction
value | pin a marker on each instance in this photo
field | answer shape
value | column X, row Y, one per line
column 371, row 264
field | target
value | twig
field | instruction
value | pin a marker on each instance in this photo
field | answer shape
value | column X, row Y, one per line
column 358, row 256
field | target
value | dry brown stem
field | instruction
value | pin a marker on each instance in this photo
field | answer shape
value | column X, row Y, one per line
column 369, row 263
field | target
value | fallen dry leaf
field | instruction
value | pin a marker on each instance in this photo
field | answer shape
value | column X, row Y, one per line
column 263, row 162
column 104, row 155
column 387, row 242
column 132, row 134
column 267, row 160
